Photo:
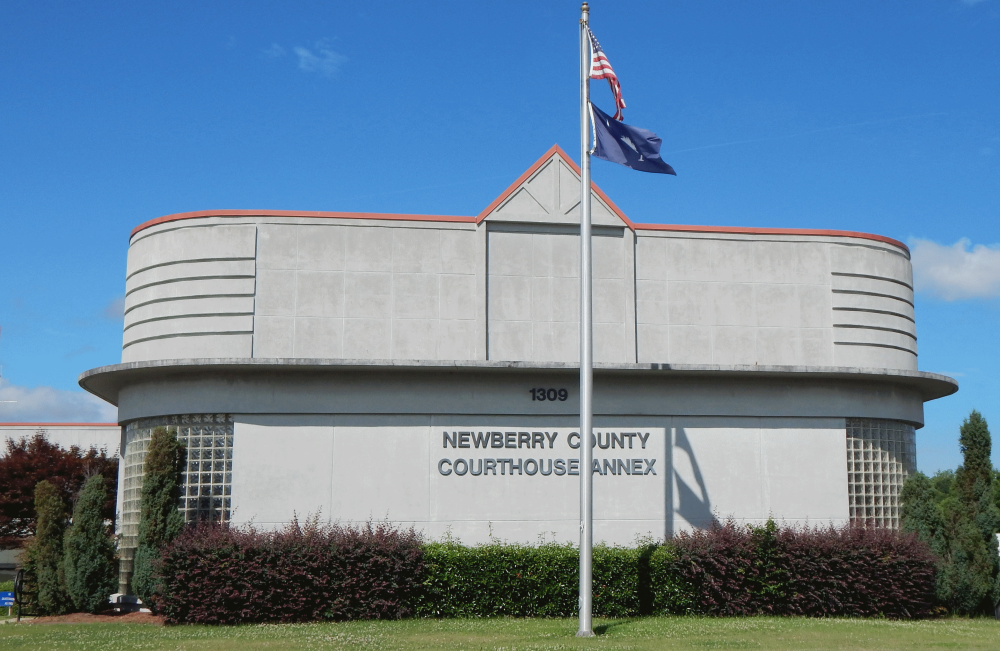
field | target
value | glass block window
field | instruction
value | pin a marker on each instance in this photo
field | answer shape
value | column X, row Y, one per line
column 206, row 478
column 881, row 454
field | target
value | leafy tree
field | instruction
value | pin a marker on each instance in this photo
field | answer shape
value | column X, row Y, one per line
column 920, row 512
column 976, row 522
column 957, row 515
column 30, row 460
column 943, row 483
column 90, row 566
column 159, row 520
column 45, row 553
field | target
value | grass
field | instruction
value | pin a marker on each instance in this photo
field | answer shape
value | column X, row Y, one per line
column 510, row 634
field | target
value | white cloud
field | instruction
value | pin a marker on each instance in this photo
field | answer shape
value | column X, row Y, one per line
column 956, row 272
column 274, row 52
column 49, row 405
column 324, row 61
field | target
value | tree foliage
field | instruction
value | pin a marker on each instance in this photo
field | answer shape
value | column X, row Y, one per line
column 45, row 553
column 159, row 520
column 90, row 564
column 26, row 462
column 957, row 514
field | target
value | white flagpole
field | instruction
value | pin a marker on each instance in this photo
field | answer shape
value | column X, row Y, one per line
column 586, row 345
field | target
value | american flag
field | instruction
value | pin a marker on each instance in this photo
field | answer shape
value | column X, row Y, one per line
column 601, row 69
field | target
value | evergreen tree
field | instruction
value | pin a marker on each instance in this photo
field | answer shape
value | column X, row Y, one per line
column 45, row 553
column 977, row 519
column 159, row 519
column 957, row 514
column 921, row 514
column 89, row 551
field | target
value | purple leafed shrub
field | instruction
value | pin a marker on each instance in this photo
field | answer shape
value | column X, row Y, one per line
column 222, row 575
column 850, row 571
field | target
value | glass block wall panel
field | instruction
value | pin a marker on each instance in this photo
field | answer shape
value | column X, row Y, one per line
column 881, row 454
column 133, row 456
column 206, row 478
column 208, row 475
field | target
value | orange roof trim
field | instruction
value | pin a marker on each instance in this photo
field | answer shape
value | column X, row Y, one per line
column 59, row 425
column 553, row 151
column 770, row 231
column 300, row 213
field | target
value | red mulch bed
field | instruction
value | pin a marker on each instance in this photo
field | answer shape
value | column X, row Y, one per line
column 107, row 617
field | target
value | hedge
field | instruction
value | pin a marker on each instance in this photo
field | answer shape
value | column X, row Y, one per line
column 219, row 575
column 522, row 581
column 222, row 575
column 850, row 571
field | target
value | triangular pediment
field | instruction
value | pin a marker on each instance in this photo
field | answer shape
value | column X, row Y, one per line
column 549, row 193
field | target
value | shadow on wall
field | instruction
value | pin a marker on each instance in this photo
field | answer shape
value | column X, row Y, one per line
column 693, row 503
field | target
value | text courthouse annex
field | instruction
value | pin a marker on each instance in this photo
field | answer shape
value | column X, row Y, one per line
column 423, row 369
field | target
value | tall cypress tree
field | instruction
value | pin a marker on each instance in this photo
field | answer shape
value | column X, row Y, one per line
column 968, row 582
column 45, row 554
column 89, row 551
column 159, row 519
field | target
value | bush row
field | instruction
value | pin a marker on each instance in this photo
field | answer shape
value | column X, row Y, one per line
column 221, row 575
column 216, row 575
column 522, row 581
column 730, row 570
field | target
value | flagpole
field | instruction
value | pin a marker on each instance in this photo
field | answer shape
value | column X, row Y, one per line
column 586, row 345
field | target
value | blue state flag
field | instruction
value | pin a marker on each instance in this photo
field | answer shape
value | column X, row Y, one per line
column 626, row 145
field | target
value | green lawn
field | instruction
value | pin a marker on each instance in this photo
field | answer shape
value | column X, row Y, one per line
column 510, row 634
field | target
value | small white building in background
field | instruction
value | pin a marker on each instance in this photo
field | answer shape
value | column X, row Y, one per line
column 423, row 369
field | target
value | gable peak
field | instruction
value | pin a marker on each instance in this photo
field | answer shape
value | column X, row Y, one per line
column 549, row 192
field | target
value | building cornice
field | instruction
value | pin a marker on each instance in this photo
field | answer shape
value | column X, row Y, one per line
column 106, row 381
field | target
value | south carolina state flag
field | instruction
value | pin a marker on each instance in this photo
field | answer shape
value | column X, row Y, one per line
column 626, row 145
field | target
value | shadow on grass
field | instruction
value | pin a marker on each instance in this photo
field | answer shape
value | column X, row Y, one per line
column 603, row 629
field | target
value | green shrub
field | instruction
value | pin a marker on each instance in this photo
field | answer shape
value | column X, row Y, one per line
column 44, row 567
column 89, row 551
column 957, row 515
column 159, row 520
column 497, row 580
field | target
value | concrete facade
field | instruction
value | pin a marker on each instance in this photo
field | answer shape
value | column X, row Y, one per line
column 340, row 351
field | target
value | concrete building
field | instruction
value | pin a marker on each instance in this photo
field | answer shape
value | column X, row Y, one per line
column 422, row 369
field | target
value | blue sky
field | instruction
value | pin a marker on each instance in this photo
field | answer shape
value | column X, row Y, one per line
column 880, row 117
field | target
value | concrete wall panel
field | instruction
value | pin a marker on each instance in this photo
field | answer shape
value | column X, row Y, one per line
column 282, row 468
column 190, row 324
column 189, row 243
column 191, row 347
column 173, row 272
column 195, row 306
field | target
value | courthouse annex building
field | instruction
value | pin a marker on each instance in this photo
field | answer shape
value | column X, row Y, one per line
column 423, row 369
